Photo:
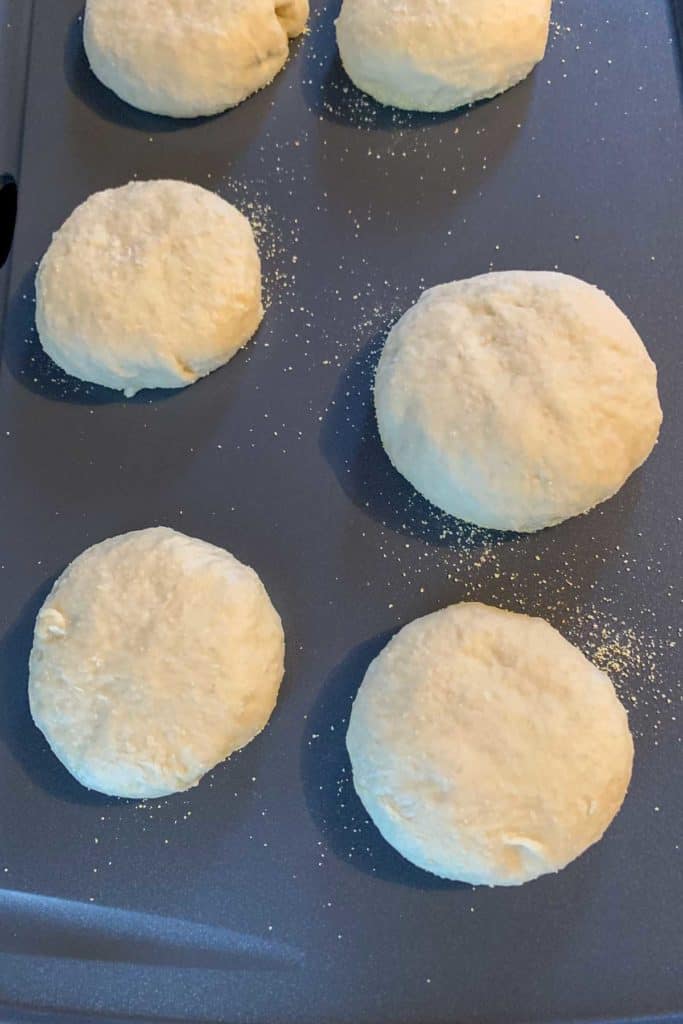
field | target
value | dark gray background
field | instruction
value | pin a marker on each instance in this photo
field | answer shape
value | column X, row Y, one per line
column 276, row 458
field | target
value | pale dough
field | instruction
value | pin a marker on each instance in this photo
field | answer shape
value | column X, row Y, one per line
column 154, row 657
column 436, row 55
column 151, row 285
column 486, row 748
column 516, row 400
column 188, row 58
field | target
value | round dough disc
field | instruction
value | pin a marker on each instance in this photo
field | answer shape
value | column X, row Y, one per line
column 189, row 58
column 436, row 55
column 152, row 285
column 154, row 657
column 516, row 400
column 486, row 748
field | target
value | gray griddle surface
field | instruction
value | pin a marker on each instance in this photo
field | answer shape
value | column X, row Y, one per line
column 276, row 457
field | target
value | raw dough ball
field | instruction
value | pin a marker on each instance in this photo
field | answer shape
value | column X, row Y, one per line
column 437, row 55
column 189, row 58
column 154, row 657
column 486, row 748
column 152, row 285
column 516, row 400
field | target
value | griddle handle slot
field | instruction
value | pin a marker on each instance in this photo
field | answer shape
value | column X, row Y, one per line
column 8, row 215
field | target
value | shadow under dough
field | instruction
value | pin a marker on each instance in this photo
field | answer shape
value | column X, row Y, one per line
column 85, row 85
column 330, row 92
column 328, row 786
column 351, row 445
column 30, row 365
column 17, row 729
column 34, row 370
column 30, row 749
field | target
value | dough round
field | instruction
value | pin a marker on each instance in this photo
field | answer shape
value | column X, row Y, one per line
column 436, row 55
column 189, row 58
column 152, row 285
column 516, row 400
column 486, row 748
column 154, row 657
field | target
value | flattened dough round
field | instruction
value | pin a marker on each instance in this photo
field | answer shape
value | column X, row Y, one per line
column 486, row 748
column 516, row 400
column 152, row 285
column 189, row 58
column 154, row 657
column 436, row 55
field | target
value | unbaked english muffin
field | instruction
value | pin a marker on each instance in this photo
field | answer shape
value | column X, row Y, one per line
column 152, row 285
column 516, row 400
column 436, row 55
column 189, row 58
column 154, row 658
column 486, row 748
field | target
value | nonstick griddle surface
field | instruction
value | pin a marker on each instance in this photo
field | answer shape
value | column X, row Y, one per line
column 276, row 457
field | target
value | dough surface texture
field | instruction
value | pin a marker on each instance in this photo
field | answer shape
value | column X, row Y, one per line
column 189, row 58
column 154, row 658
column 516, row 400
column 486, row 748
column 152, row 285
column 436, row 55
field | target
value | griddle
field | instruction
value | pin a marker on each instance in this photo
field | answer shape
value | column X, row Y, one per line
column 265, row 895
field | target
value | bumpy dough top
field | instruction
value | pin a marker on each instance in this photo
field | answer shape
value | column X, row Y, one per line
column 436, row 55
column 188, row 58
column 151, row 285
column 154, row 657
column 486, row 748
column 516, row 400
